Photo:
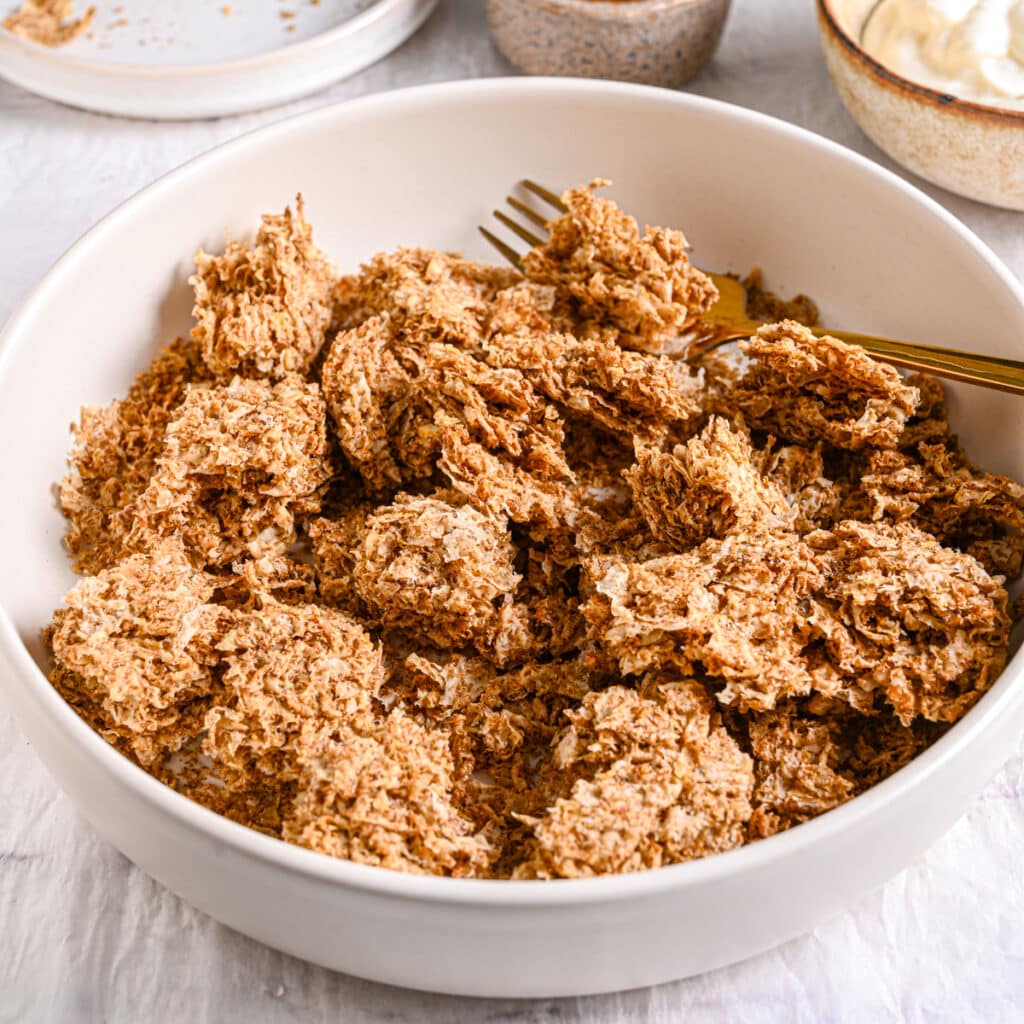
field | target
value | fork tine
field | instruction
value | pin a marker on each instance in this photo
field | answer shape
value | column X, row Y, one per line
column 546, row 194
column 506, row 250
column 527, row 236
column 527, row 211
column 698, row 349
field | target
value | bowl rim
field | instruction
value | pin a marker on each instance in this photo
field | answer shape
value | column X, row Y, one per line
column 1005, row 698
column 354, row 26
column 916, row 90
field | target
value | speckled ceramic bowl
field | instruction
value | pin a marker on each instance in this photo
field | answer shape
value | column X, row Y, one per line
column 969, row 148
column 657, row 42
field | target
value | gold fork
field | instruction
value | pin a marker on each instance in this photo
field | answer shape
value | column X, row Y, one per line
column 727, row 320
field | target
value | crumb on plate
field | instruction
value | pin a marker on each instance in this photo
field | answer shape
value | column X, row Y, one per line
column 49, row 22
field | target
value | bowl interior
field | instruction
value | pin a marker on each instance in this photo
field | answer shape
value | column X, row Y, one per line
column 425, row 167
column 850, row 15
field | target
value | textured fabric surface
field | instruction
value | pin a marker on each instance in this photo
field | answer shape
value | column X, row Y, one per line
column 85, row 936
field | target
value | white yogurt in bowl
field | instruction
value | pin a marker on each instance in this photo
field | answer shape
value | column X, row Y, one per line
column 972, row 49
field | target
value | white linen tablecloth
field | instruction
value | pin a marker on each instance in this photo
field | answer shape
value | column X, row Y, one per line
column 86, row 936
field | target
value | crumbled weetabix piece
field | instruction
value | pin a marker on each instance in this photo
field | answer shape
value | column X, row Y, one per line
column 115, row 453
column 800, row 474
column 498, row 484
column 545, row 618
column 796, row 763
column 624, row 539
column 905, row 618
column 401, row 412
column 499, row 720
column 500, row 409
column 648, row 396
column 659, row 780
column 133, row 648
column 501, row 443
column 348, row 304
column 240, row 463
column 766, row 307
column 527, row 311
column 381, row 797
column 605, row 521
column 462, row 681
column 643, row 286
column 943, row 493
column 598, row 459
column 501, row 726
column 335, row 543
column 429, row 296
column 436, row 570
column 48, row 22
column 262, row 311
column 292, row 675
column 382, row 422
column 630, row 393
column 930, row 422
column 735, row 609
column 272, row 573
column 708, row 487
column 881, row 745
column 807, row 389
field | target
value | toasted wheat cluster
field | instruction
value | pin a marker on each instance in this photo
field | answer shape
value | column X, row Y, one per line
column 452, row 570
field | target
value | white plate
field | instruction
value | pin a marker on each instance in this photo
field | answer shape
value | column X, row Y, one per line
column 207, row 58
column 425, row 166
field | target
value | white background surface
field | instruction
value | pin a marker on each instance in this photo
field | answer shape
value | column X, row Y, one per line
column 85, row 936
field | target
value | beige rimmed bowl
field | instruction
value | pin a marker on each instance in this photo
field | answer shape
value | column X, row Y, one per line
column 972, row 149
column 655, row 42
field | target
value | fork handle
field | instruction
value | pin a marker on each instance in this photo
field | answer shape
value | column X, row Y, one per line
column 987, row 371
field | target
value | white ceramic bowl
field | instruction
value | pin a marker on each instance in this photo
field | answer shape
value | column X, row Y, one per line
column 426, row 165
